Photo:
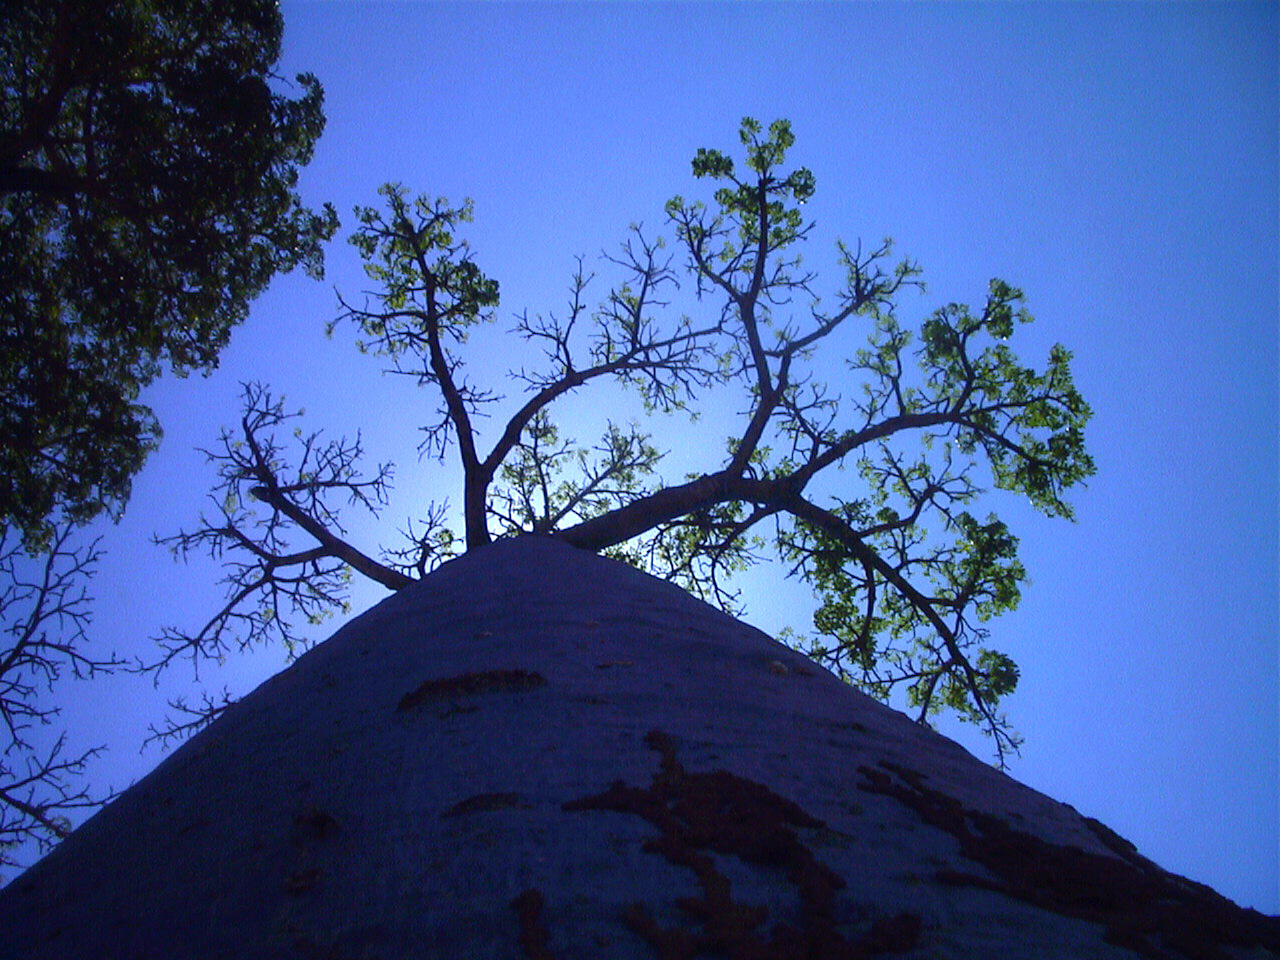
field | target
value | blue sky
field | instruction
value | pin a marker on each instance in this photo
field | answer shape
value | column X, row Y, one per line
column 1117, row 162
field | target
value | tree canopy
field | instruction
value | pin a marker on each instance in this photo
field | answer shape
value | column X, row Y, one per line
column 148, row 164
column 868, row 492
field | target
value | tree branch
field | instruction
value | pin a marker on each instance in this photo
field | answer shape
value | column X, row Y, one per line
column 332, row 546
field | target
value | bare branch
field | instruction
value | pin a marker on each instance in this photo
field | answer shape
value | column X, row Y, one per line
column 428, row 547
column 191, row 719
column 550, row 481
column 269, row 577
column 44, row 614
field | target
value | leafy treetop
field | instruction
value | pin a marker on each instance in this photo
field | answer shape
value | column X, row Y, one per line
column 905, row 573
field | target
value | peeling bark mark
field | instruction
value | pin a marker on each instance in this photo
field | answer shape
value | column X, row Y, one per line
column 698, row 814
column 534, row 935
column 471, row 684
column 314, row 824
column 485, row 802
column 1141, row 906
column 299, row 883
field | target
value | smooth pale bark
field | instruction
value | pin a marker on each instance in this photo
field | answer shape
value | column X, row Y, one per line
column 535, row 744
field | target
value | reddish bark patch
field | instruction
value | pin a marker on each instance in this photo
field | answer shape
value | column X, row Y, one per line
column 1142, row 907
column 700, row 814
column 534, row 936
column 299, row 883
column 484, row 803
column 314, row 824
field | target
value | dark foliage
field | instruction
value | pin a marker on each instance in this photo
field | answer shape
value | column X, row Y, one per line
column 148, row 164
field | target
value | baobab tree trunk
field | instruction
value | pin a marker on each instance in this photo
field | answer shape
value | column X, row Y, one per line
column 538, row 752
column 475, row 513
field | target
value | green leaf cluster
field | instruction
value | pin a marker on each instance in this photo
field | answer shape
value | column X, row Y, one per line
column 1028, row 424
column 429, row 286
column 763, row 211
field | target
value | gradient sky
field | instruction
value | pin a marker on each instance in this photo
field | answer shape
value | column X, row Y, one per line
column 1117, row 162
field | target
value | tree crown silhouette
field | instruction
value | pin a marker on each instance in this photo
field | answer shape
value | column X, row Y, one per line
column 866, row 493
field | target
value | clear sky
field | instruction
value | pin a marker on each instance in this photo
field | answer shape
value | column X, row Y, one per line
column 1118, row 162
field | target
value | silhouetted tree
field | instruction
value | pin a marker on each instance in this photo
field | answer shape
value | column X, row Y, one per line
column 44, row 609
column 148, row 165
column 936, row 416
